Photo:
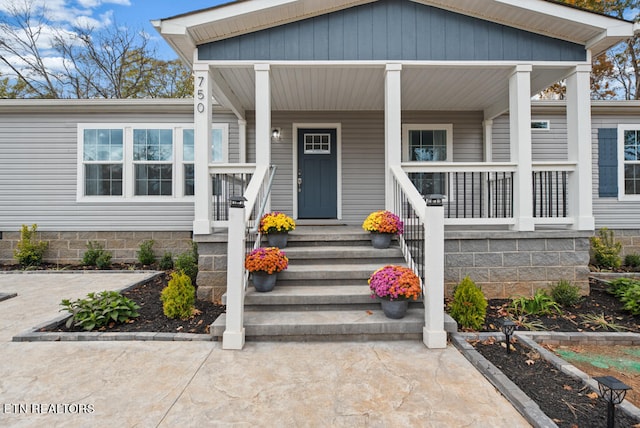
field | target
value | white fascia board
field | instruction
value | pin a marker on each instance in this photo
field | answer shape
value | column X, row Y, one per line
column 231, row 10
column 568, row 13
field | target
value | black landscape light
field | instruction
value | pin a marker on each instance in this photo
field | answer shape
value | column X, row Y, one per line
column 613, row 391
column 508, row 327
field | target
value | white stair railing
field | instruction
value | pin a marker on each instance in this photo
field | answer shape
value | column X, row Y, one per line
column 426, row 221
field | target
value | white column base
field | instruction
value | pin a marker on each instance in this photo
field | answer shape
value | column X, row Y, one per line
column 434, row 339
column 233, row 340
column 585, row 223
column 201, row 227
column 524, row 224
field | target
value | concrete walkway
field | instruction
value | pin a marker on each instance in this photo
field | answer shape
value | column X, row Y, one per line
column 167, row 384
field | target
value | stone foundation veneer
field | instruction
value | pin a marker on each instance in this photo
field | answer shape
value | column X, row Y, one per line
column 630, row 240
column 69, row 247
column 507, row 264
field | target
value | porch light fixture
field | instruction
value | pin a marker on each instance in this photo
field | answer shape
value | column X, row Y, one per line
column 237, row 201
column 613, row 391
column 508, row 327
column 276, row 134
column 434, row 200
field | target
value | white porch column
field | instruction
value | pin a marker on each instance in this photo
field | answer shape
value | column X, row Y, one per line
column 579, row 147
column 263, row 114
column 433, row 334
column 520, row 146
column 487, row 129
column 234, row 333
column 202, row 151
column 242, row 139
column 392, row 127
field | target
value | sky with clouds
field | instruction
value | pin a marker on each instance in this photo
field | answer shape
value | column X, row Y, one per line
column 130, row 13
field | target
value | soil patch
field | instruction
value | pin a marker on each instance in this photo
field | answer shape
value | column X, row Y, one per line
column 566, row 400
column 622, row 362
column 152, row 318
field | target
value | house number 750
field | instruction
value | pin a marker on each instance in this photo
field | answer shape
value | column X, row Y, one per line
column 200, row 94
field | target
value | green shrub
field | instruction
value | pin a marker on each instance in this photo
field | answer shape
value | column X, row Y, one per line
column 631, row 299
column 96, row 255
column 98, row 310
column 145, row 254
column 29, row 250
column 565, row 293
column 540, row 304
column 469, row 306
column 619, row 286
column 187, row 262
column 104, row 260
column 606, row 251
column 632, row 260
column 166, row 262
column 178, row 297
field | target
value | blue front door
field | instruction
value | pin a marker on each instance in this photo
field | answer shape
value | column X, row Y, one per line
column 317, row 174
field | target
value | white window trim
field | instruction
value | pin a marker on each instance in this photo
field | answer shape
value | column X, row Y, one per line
column 426, row 127
column 622, row 196
column 128, row 181
column 547, row 128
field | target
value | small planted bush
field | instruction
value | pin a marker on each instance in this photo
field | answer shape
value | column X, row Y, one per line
column 619, row 286
column 469, row 306
column 631, row 299
column 540, row 304
column 166, row 262
column 606, row 250
column 632, row 261
column 100, row 309
column 187, row 262
column 30, row 250
column 96, row 255
column 565, row 293
column 145, row 253
column 178, row 297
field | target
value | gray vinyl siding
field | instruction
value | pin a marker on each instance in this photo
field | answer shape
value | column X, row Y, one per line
column 392, row 30
column 611, row 212
column 546, row 146
column 38, row 175
column 362, row 147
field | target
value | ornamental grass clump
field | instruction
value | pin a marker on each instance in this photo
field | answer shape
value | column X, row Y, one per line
column 269, row 260
column 383, row 222
column 276, row 222
column 395, row 283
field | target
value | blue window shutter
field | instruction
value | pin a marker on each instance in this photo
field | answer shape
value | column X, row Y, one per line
column 608, row 162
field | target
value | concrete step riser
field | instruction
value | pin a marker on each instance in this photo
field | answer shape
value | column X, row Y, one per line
column 368, row 306
column 382, row 261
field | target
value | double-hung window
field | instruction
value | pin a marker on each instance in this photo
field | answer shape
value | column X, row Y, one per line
column 629, row 161
column 428, row 143
column 103, row 161
column 141, row 160
column 219, row 153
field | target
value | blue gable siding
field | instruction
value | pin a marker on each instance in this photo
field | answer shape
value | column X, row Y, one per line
column 392, row 30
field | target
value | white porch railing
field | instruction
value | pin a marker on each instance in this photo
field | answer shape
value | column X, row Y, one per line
column 483, row 193
column 244, row 216
column 423, row 247
column 228, row 180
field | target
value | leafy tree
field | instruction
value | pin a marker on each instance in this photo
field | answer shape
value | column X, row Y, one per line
column 616, row 73
column 48, row 61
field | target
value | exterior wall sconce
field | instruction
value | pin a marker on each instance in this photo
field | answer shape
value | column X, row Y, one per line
column 613, row 391
column 276, row 134
column 508, row 327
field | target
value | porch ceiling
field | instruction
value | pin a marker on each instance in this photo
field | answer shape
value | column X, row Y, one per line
column 445, row 87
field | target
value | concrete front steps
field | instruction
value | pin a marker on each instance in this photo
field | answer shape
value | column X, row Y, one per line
column 323, row 295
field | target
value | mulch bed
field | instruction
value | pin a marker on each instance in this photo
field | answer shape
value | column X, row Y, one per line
column 151, row 317
column 599, row 302
column 566, row 400
column 561, row 397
